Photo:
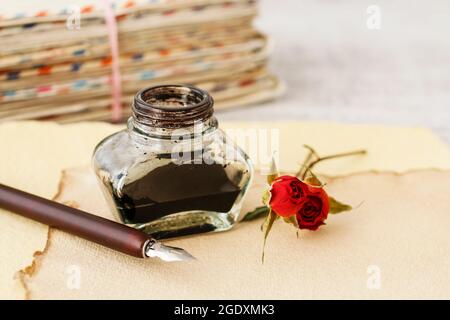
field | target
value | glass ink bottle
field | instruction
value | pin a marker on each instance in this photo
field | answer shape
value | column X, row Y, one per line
column 173, row 172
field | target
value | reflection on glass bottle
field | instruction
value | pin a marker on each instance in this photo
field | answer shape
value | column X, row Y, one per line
column 173, row 172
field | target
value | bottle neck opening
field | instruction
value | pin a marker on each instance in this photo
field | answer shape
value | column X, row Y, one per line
column 168, row 110
column 171, row 107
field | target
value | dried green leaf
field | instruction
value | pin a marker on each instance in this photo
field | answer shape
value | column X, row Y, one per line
column 273, row 172
column 292, row 220
column 259, row 212
column 271, row 178
column 266, row 197
column 337, row 207
column 267, row 226
column 313, row 180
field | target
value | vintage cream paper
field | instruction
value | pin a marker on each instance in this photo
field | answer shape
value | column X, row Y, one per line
column 393, row 245
column 396, row 149
column 34, row 154
column 32, row 157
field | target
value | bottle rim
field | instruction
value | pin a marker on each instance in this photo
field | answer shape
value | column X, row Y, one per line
column 172, row 106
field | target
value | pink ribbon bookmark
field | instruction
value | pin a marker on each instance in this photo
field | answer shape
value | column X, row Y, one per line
column 116, row 84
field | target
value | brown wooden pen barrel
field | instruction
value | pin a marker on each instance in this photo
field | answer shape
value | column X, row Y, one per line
column 85, row 225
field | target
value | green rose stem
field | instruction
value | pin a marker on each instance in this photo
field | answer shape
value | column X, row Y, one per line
column 307, row 166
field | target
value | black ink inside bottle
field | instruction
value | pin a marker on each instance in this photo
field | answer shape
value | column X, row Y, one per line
column 174, row 188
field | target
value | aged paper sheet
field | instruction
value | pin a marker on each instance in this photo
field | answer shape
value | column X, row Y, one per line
column 32, row 157
column 34, row 154
column 393, row 245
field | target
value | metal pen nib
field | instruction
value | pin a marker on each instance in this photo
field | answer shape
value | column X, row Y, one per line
column 167, row 253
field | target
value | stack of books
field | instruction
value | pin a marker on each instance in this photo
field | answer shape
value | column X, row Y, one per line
column 56, row 60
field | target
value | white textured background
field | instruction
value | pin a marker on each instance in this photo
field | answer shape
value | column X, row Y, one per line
column 335, row 68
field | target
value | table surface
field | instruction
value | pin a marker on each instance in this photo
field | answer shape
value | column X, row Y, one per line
column 337, row 69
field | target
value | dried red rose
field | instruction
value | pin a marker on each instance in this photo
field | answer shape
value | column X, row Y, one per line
column 288, row 195
column 314, row 210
